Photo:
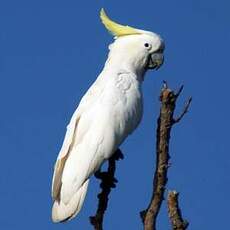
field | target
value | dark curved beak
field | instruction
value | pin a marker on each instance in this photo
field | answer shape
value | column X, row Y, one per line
column 155, row 60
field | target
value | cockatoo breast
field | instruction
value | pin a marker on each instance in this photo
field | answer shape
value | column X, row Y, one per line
column 123, row 101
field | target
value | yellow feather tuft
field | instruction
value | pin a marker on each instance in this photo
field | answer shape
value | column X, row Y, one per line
column 116, row 29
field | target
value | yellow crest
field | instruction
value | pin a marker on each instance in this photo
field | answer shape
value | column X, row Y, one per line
column 116, row 29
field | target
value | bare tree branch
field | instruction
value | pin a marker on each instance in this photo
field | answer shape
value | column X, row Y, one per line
column 179, row 91
column 185, row 110
column 165, row 122
column 108, row 181
column 174, row 211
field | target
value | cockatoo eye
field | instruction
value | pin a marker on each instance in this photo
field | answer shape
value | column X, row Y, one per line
column 148, row 46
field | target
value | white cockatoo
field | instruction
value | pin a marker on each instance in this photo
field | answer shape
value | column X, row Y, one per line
column 109, row 111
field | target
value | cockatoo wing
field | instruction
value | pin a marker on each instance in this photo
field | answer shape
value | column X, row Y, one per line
column 92, row 140
column 70, row 139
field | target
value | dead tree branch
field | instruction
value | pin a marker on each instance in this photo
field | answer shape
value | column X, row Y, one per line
column 185, row 110
column 108, row 181
column 174, row 211
column 165, row 122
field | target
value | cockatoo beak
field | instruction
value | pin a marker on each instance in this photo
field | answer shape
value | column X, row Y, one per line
column 155, row 60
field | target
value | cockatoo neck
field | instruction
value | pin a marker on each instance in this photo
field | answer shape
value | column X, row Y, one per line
column 122, row 62
column 126, row 57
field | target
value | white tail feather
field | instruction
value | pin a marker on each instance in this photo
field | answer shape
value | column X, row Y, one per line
column 63, row 212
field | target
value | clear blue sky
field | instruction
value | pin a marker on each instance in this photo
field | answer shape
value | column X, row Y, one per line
column 50, row 53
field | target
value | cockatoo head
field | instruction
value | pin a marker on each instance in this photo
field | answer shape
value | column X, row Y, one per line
column 139, row 49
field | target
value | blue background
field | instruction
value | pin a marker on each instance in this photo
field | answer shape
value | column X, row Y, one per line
column 52, row 51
